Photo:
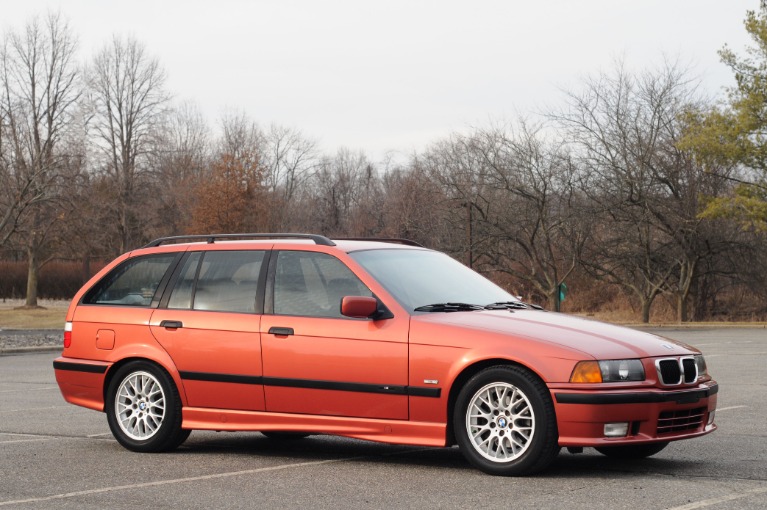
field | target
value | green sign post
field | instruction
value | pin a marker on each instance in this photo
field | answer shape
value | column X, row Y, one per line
column 561, row 293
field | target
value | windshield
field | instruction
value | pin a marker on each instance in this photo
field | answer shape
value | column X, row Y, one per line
column 418, row 278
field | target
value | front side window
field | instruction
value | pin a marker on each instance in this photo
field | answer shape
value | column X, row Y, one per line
column 132, row 283
column 227, row 281
column 312, row 284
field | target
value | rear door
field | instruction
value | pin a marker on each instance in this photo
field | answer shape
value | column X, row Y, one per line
column 317, row 361
column 208, row 323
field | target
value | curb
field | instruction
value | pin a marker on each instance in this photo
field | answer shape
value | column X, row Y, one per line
column 697, row 325
column 27, row 350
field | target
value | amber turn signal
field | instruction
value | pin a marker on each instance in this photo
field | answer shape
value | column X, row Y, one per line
column 586, row 372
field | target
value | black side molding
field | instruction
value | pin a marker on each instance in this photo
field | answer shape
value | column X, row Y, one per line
column 385, row 389
column 79, row 367
column 230, row 378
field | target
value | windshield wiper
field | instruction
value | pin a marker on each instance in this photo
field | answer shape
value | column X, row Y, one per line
column 448, row 307
column 511, row 305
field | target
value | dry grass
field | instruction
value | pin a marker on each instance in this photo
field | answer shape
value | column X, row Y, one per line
column 50, row 316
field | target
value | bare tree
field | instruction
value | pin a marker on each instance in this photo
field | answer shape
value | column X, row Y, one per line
column 128, row 100
column 40, row 89
column 336, row 198
column 240, row 136
column 289, row 160
column 180, row 164
column 625, row 129
column 512, row 194
column 462, row 171
column 537, row 223
column 412, row 207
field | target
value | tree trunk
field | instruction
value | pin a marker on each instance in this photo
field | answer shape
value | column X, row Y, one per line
column 32, row 270
column 646, row 304
column 687, row 277
column 681, row 307
column 552, row 299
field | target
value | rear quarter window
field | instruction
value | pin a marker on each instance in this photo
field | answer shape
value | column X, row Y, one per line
column 132, row 283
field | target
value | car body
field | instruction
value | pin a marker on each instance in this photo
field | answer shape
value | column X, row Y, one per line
column 297, row 334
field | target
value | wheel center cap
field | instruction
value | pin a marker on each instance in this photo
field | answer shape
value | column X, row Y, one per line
column 502, row 422
column 142, row 405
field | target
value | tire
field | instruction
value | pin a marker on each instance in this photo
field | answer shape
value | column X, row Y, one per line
column 632, row 451
column 504, row 422
column 144, row 409
column 284, row 436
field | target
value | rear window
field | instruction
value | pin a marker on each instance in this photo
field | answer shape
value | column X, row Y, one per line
column 132, row 283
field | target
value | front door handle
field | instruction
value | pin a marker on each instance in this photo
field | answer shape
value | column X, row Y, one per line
column 274, row 330
column 172, row 324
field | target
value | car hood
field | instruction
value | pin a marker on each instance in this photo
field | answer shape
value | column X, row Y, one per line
column 597, row 339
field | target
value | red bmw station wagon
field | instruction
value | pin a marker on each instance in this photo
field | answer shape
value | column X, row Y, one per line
column 298, row 334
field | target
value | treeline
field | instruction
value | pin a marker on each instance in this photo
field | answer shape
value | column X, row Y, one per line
column 621, row 188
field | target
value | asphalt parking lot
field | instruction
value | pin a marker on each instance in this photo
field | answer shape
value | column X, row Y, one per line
column 56, row 455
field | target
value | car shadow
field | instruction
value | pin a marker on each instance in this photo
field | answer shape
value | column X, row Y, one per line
column 589, row 464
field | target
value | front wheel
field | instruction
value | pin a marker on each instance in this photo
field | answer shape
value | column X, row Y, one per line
column 144, row 409
column 632, row 451
column 504, row 422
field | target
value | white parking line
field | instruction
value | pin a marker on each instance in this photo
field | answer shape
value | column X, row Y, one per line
column 33, row 409
column 715, row 501
column 729, row 408
column 31, row 438
column 25, row 390
column 177, row 480
column 26, row 440
column 41, row 437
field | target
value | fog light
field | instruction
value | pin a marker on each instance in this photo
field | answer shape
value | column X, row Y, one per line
column 616, row 429
column 711, row 418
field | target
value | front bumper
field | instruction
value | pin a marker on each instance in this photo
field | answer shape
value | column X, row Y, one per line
column 653, row 415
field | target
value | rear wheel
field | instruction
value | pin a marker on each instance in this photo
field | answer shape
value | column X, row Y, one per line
column 632, row 451
column 144, row 409
column 504, row 422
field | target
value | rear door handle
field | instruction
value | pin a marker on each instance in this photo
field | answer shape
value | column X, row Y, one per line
column 172, row 324
column 274, row 330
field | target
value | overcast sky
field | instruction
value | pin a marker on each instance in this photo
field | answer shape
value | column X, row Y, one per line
column 398, row 75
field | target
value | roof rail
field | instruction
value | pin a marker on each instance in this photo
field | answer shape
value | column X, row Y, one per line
column 395, row 240
column 212, row 238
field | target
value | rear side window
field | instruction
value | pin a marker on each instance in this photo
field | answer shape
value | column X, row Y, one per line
column 181, row 297
column 221, row 281
column 132, row 283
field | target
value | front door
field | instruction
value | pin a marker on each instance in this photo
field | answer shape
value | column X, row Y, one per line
column 317, row 361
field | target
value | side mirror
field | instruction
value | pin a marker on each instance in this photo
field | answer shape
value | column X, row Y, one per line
column 359, row 307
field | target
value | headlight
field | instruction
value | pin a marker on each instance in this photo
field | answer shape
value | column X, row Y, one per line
column 700, row 362
column 614, row 370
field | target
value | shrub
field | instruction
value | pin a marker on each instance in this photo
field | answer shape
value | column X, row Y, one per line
column 57, row 279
